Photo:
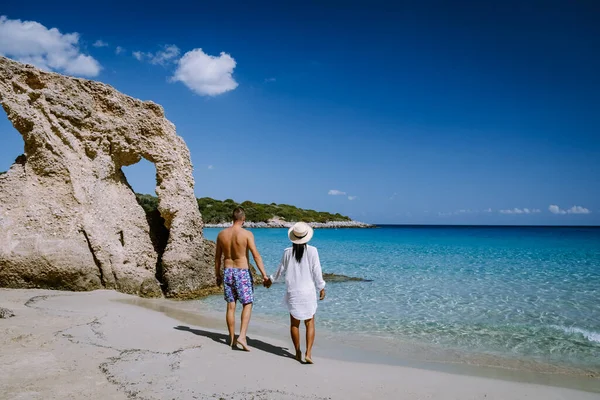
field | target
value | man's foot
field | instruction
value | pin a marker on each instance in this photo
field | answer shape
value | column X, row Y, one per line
column 308, row 359
column 299, row 355
column 243, row 344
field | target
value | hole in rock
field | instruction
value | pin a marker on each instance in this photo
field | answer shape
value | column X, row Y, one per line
column 142, row 180
column 11, row 144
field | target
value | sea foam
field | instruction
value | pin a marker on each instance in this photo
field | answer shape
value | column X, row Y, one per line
column 589, row 335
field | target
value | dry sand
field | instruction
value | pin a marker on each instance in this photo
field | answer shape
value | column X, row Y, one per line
column 63, row 345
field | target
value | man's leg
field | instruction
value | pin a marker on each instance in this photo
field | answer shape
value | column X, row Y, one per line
column 295, row 333
column 246, row 313
column 245, row 289
column 230, row 318
column 310, row 337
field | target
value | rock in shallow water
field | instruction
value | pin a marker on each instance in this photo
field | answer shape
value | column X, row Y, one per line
column 335, row 278
column 69, row 218
column 6, row 313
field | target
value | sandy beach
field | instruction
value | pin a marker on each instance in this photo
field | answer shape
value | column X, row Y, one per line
column 100, row 345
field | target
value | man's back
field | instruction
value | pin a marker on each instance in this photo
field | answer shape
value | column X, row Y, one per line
column 233, row 242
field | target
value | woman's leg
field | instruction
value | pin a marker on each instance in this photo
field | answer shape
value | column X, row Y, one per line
column 310, row 337
column 295, row 333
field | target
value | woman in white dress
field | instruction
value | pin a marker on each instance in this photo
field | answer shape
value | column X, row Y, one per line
column 303, row 276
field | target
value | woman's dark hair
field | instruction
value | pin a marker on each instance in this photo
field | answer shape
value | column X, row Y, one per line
column 298, row 250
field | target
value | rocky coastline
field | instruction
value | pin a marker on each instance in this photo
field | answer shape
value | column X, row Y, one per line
column 286, row 224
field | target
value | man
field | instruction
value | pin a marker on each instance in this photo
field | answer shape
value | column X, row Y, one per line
column 233, row 245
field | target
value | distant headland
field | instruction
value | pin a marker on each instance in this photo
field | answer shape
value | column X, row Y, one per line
column 217, row 214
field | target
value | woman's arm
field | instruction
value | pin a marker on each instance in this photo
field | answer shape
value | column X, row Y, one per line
column 281, row 269
column 317, row 273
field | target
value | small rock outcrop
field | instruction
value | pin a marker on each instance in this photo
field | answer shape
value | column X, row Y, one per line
column 336, row 278
column 6, row 313
column 68, row 217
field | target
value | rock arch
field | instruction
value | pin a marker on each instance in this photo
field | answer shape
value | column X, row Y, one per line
column 69, row 219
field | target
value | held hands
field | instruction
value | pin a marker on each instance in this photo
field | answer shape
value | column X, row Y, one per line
column 322, row 294
column 267, row 282
column 219, row 280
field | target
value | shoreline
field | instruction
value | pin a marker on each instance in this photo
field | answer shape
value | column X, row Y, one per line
column 105, row 344
column 372, row 349
column 285, row 224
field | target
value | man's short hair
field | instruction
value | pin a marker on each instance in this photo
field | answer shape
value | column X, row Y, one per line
column 239, row 214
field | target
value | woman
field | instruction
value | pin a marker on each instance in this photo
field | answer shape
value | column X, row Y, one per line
column 302, row 270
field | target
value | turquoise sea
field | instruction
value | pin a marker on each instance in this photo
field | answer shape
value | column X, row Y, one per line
column 524, row 293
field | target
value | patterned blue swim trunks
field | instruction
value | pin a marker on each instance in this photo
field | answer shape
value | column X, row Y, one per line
column 238, row 285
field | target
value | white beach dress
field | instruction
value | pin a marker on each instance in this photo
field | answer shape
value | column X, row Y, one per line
column 301, row 278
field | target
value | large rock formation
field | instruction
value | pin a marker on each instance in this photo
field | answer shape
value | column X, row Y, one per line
column 68, row 217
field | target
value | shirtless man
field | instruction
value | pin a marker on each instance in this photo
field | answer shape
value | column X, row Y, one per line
column 233, row 245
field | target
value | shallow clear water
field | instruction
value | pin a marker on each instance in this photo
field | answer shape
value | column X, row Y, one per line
column 530, row 293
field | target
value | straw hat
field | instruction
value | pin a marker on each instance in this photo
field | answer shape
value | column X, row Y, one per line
column 300, row 233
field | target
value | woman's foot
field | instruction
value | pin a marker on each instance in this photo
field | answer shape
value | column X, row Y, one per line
column 299, row 355
column 243, row 344
column 308, row 359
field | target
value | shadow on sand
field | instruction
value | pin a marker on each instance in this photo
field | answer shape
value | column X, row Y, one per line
column 254, row 343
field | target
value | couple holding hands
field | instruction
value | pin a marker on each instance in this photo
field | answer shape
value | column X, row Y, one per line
column 299, row 266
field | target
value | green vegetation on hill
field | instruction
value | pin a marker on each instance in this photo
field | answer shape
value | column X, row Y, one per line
column 217, row 211
column 148, row 202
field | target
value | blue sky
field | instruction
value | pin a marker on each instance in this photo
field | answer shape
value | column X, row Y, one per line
column 419, row 112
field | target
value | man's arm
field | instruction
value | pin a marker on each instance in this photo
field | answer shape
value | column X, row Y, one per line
column 256, row 256
column 218, row 255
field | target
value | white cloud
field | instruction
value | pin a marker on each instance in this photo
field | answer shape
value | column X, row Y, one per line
column 578, row 210
column 554, row 209
column 211, row 167
column 31, row 42
column 520, row 211
column 168, row 54
column 352, row 197
column 165, row 56
column 457, row 212
column 119, row 50
column 465, row 211
column 138, row 55
column 335, row 192
column 268, row 80
column 100, row 43
column 204, row 74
